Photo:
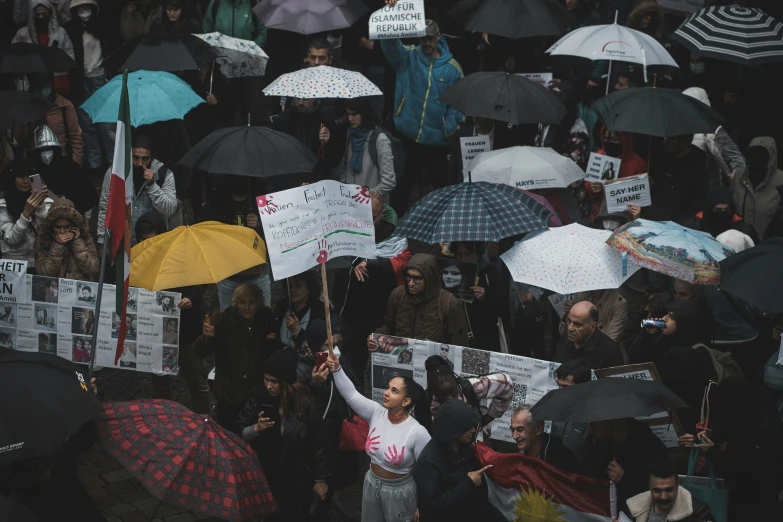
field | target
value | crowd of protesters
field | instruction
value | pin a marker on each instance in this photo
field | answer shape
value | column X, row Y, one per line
column 267, row 388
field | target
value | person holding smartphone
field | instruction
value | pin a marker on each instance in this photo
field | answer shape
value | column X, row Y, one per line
column 64, row 246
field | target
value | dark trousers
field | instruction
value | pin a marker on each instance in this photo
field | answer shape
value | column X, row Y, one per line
column 425, row 165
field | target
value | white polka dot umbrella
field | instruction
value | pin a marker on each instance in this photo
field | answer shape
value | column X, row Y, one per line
column 322, row 82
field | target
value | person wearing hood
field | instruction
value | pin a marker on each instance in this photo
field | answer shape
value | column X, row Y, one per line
column 449, row 477
column 724, row 159
column 64, row 246
column 425, row 122
column 686, row 323
column 62, row 119
column 421, row 310
column 647, row 17
column 615, row 144
column 756, row 194
column 62, row 175
column 153, row 187
column 22, row 212
column 719, row 215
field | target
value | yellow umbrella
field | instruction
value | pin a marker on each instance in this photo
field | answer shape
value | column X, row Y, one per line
column 194, row 255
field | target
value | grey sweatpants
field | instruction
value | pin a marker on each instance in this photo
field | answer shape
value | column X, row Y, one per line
column 386, row 500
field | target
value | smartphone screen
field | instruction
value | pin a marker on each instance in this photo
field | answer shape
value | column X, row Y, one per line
column 35, row 181
column 272, row 413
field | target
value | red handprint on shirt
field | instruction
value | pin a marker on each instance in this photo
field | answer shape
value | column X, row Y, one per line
column 266, row 205
column 363, row 196
column 323, row 255
column 373, row 443
column 392, row 457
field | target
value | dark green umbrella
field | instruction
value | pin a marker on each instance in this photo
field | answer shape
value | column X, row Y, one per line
column 656, row 112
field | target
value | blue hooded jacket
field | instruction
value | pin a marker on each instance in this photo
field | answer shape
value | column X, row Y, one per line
column 418, row 112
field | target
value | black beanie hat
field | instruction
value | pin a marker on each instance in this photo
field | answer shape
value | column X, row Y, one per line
column 282, row 365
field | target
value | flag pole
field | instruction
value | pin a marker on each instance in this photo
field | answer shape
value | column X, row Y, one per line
column 327, row 311
column 98, row 298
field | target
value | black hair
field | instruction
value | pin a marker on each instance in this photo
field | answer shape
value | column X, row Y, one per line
column 593, row 313
column 362, row 106
column 142, row 141
column 663, row 469
column 576, row 369
column 438, row 373
column 320, row 43
column 634, row 77
column 420, row 404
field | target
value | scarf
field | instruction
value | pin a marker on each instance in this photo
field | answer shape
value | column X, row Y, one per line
column 358, row 138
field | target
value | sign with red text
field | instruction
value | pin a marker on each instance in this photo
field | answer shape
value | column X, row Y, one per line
column 308, row 225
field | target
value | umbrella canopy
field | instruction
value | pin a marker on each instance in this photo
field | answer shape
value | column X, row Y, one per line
column 656, row 112
column 606, row 399
column 671, row 249
column 309, row 17
column 20, row 107
column 504, row 97
column 200, row 254
column 524, row 167
column 322, row 82
column 612, row 42
column 472, row 212
column 27, row 58
column 154, row 96
column 186, row 459
column 567, row 260
column 754, row 275
column 237, row 58
column 52, row 387
column 161, row 51
column 258, row 152
column 743, row 35
column 520, row 18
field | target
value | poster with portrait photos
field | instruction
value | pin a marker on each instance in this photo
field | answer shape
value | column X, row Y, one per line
column 531, row 378
column 59, row 317
column 457, row 277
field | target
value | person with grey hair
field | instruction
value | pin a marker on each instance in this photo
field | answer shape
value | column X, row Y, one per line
column 532, row 440
column 585, row 341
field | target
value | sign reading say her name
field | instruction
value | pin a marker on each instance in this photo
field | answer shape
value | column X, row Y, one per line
column 633, row 190
column 12, row 280
column 404, row 20
column 308, row 225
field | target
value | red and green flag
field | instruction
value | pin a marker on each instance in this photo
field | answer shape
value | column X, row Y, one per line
column 118, row 213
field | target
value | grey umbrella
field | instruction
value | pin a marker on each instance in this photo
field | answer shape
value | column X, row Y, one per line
column 309, row 16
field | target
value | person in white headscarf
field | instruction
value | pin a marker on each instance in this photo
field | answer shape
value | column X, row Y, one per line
column 735, row 240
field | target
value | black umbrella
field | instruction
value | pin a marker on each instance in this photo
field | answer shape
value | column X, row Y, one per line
column 515, row 18
column 258, row 152
column 606, row 399
column 505, row 97
column 161, row 52
column 656, row 112
column 20, row 107
column 45, row 401
column 27, row 58
column 754, row 275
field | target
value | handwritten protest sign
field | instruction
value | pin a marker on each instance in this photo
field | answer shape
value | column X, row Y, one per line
column 404, row 20
column 471, row 146
column 602, row 168
column 305, row 226
column 543, row 79
column 558, row 303
column 633, row 190
column 12, row 280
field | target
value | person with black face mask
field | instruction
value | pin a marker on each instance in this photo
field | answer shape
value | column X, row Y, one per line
column 756, row 193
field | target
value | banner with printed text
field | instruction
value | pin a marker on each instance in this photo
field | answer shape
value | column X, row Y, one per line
column 308, row 225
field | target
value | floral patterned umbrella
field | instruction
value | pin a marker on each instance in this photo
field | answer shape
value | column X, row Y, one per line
column 238, row 58
column 322, row 82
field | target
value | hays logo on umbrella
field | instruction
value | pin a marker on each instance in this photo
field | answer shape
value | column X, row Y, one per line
column 619, row 49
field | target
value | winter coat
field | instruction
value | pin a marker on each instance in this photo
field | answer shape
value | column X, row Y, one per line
column 57, row 34
column 17, row 236
column 240, row 352
column 599, row 351
column 651, row 7
column 758, row 206
column 686, row 508
column 77, row 259
column 380, row 178
column 444, row 490
column 64, row 123
column 434, row 316
column 22, row 11
column 234, row 18
column 147, row 198
column 418, row 112
column 96, row 29
column 64, row 177
column 693, row 327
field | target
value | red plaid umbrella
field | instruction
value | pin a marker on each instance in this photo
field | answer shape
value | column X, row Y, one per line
column 186, row 459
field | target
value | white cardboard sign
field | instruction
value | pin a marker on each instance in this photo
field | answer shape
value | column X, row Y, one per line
column 602, row 168
column 471, row 146
column 404, row 20
column 633, row 190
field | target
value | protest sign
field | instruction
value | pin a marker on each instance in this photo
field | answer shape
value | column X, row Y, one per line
column 470, row 146
column 543, row 79
column 666, row 427
column 558, row 303
column 633, row 190
column 13, row 275
column 58, row 316
column 308, row 225
column 457, row 277
column 404, row 20
column 396, row 357
column 602, row 168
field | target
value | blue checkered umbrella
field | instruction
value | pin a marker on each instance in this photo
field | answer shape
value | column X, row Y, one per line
column 478, row 211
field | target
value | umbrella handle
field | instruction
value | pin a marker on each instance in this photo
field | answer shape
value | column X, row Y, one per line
column 211, row 76
column 321, row 147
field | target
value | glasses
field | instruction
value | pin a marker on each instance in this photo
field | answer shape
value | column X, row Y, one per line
column 413, row 278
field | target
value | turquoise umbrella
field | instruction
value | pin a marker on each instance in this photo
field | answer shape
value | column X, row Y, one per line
column 154, row 96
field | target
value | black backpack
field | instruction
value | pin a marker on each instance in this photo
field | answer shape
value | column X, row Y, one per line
column 398, row 153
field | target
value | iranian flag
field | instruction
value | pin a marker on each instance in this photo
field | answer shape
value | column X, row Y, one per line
column 118, row 213
column 527, row 489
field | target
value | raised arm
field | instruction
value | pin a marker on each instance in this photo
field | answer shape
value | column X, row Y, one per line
column 364, row 407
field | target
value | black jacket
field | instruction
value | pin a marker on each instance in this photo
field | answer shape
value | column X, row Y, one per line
column 65, row 177
column 554, row 452
column 600, row 351
column 444, row 490
column 503, row 138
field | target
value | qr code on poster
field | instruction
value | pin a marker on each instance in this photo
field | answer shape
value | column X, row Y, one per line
column 520, row 395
